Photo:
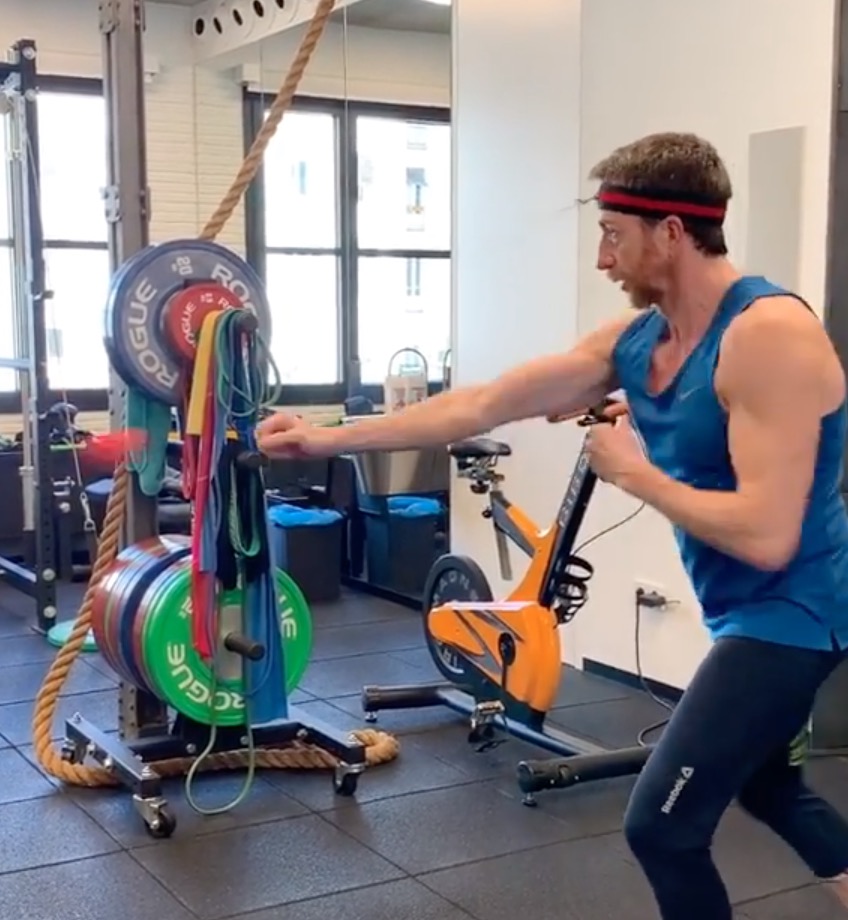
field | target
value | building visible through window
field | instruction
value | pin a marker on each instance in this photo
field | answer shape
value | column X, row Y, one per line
column 416, row 182
column 413, row 277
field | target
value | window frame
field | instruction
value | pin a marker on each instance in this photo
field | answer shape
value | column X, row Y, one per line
column 86, row 400
column 348, row 251
column 253, row 106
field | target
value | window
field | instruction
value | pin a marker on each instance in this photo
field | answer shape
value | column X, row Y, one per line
column 302, row 250
column 76, row 254
column 416, row 221
column 394, row 314
column 403, row 229
column 303, row 291
column 349, row 224
column 79, row 281
column 301, row 198
column 5, row 198
column 8, row 378
column 413, row 277
column 73, row 172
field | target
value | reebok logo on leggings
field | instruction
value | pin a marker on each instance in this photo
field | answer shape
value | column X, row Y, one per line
column 679, row 785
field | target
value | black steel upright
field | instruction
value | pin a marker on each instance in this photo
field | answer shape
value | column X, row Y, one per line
column 19, row 79
column 127, row 201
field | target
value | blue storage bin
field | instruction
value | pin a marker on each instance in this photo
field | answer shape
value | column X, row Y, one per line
column 413, row 506
column 306, row 542
column 100, row 489
column 286, row 515
column 403, row 543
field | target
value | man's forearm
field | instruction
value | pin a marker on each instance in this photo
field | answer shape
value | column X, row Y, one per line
column 724, row 520
column 437, row 421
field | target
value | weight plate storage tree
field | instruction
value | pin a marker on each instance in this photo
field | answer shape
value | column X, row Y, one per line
column 146, row 738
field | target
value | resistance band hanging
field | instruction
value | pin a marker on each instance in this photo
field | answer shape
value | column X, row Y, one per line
column 230, row 547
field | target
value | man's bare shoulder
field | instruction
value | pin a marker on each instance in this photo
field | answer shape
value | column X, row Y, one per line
column 779, row 341
column 776, row 315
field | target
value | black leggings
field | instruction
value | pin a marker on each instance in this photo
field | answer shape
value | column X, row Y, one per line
column 729, row 738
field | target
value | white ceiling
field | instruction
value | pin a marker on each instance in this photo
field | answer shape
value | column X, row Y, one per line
column 401, row 15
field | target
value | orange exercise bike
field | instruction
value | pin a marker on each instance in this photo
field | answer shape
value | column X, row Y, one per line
column 502, row 659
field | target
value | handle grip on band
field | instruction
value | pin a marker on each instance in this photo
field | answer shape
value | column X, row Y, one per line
column 251, row 460
column 241, row 645
column 597, row 414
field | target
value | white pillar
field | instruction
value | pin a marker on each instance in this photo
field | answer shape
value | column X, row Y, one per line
column 516, row 137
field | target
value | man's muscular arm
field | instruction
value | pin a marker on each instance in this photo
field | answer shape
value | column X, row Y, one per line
column 552, row 385
column 778, row 374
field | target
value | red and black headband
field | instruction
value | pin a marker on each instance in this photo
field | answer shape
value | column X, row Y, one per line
column 660, row 203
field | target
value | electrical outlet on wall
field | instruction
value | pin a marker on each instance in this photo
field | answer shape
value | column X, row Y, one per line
column 651, row 595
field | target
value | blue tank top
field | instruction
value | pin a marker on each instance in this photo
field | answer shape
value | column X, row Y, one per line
column 684, row 430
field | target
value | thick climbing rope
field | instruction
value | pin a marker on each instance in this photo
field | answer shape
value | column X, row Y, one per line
column 380, row 747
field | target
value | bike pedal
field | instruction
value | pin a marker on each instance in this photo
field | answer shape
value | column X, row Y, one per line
column 485, row 712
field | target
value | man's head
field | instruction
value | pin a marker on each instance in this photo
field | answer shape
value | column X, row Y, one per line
column 663, row 200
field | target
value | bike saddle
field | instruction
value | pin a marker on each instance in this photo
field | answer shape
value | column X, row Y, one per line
column 478, row 449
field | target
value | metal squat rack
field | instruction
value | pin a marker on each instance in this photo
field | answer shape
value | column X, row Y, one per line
column 42, row 511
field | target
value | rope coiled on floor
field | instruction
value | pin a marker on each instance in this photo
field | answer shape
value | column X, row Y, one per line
column 380, row 747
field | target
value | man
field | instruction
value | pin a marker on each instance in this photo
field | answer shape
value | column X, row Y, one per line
column 740, row 402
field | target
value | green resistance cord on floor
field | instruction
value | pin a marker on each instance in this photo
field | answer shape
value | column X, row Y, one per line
column 244, row 792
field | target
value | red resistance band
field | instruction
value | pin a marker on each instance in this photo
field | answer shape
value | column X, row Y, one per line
column 614, row 199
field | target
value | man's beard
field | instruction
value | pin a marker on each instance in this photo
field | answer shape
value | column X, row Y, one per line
column 642, row 298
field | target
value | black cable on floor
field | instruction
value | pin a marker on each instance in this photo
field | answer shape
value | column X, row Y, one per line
column 812, row 753
column 645, row 685
column 641, row 738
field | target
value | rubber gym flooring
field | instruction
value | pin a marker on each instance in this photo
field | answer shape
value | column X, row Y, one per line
column 440, row 834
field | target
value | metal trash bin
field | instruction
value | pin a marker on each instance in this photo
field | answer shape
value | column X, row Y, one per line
column 402, row 472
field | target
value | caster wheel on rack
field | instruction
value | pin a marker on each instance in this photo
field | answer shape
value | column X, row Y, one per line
column 162, row 825
column 346, row 783
column 70, row 753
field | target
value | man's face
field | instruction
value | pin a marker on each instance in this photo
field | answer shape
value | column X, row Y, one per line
column 632, row 254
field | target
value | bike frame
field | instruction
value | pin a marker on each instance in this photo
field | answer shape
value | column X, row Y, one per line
column 550, row 549
column 529, row 611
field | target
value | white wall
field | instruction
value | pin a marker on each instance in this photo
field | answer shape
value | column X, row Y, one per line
column 717, row 70
column 516, row 100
